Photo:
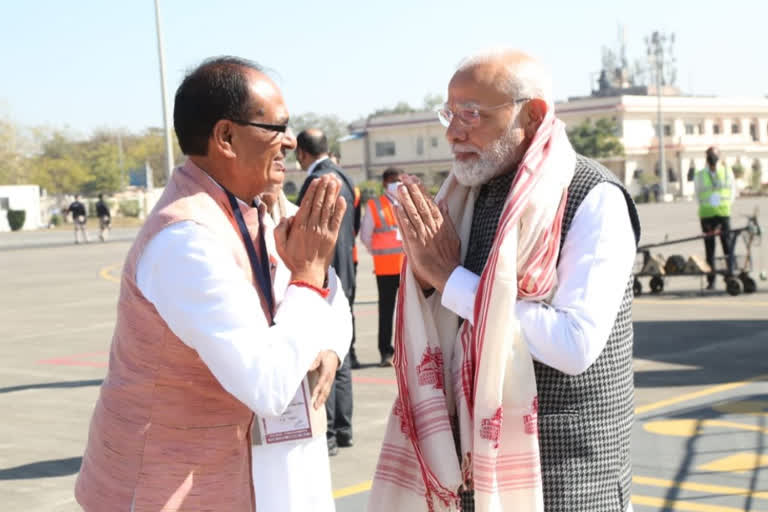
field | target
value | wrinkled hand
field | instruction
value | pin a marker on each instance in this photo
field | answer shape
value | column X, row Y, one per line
column 306, row 241
column 326, row 364
column 429, row 237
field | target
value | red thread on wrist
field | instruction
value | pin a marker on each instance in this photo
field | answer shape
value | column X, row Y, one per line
column 323, row 292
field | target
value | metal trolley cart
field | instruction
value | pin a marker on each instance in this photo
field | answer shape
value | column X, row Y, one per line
column 659, row 268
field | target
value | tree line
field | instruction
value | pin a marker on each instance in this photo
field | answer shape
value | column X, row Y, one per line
column 62, row 163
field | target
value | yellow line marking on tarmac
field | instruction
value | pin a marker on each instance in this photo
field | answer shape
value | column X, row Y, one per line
column 737, row 463
column 751, row 407
column 642, row 500
column 693, row 486
column 692, row 427
column 106, row 273
column 696, row 394
column 353, row 489
column 651, row 501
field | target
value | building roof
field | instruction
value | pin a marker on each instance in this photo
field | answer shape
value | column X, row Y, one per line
column 683, row 104
column 352, row 136
column 420, row 117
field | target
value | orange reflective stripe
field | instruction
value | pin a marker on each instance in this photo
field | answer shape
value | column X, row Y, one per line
column 373, row 210
column 389, row 211
column 391, row 250
column 384, row 215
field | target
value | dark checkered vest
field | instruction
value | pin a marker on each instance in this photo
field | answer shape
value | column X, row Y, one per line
column 584, row 421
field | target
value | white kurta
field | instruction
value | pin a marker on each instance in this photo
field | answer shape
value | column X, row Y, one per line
column 201, row 294
column 569, row 333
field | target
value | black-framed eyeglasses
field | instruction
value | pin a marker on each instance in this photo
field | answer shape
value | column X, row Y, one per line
column 280, row 128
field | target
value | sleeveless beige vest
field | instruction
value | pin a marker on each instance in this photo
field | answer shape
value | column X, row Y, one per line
column 165, row 436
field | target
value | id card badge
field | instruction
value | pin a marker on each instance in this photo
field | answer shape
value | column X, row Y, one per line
column 299, row 421
column 714, row 200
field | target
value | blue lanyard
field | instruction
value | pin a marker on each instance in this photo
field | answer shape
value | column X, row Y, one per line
column 260, row 269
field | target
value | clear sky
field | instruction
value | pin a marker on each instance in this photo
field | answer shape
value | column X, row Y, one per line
column 86, row 64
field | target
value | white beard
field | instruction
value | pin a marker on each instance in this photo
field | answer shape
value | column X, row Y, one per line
column 490, row 163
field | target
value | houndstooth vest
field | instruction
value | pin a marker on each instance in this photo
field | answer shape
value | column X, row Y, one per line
column 585, row 421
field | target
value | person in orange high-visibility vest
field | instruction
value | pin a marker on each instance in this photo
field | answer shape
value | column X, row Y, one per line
column 380, row 235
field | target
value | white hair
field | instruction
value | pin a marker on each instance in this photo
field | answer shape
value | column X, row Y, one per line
column 527, row 78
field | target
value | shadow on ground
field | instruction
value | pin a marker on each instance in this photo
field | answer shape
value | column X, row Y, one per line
column 716, row 351
column 42, row 469
column 704, row 426
column 53, row 385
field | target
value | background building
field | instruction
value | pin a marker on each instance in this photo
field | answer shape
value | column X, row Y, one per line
column 20, row 197
column 739, row 126
column 414, row 142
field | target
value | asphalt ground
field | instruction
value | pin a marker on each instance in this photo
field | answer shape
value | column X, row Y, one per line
column 701, row 361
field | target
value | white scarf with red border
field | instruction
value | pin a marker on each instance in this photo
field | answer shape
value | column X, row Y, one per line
column 477, row 380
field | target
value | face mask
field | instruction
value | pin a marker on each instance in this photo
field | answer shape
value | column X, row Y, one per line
column 392, row 188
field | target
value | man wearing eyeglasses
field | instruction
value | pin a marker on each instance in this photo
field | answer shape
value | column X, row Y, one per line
column 514, row 334
column 312, row 154
column 206, row 403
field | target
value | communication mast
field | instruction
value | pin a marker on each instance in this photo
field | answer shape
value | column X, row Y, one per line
column 662, row 68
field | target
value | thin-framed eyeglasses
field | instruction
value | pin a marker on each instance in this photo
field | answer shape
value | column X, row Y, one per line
column 280, row 128
column 469, row 114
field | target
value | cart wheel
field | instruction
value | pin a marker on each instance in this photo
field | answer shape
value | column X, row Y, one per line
column 732, row 286
column 749, row 284
column 637, row 288
column 657, row 284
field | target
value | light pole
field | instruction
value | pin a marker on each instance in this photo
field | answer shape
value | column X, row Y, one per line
column 123, row 180
column 656, row 56
column 166, row 111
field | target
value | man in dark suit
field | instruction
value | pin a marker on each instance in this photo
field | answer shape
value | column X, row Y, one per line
column 312, row 154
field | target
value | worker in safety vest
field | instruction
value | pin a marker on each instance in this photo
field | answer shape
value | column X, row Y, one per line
column 715, row 191
column 379, row 234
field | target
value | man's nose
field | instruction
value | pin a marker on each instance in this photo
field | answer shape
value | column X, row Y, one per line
column 456, row 132
column 289, row 140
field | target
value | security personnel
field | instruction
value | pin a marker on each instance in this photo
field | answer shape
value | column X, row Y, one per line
column 381, row 237
column 353, row 361
column 715, row 190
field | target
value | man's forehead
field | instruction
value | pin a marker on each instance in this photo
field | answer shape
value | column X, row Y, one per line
column 261, row 85
column 266, row 94
column 475, row 84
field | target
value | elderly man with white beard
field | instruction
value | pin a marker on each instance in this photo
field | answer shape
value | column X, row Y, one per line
column 513, row 340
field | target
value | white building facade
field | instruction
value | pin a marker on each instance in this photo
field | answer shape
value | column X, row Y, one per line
column 738, row 126
column 414, row 142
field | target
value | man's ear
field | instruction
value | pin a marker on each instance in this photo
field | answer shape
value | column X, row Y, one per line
column 221, row 138
column 536, row 110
